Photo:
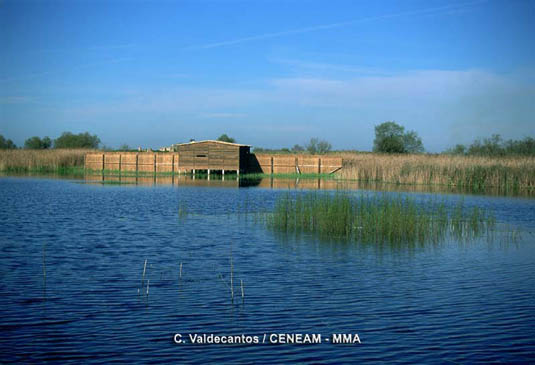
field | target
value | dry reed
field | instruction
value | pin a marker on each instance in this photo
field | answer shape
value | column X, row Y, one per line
column 462, row 171
column 41, row 160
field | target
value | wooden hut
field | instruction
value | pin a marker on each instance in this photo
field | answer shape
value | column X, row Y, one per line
column 213, row 155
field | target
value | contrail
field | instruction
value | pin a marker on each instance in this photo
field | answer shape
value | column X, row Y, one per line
column 335, row 25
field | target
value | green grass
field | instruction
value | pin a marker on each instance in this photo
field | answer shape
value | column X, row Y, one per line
column 45, row 170
column 378, row 218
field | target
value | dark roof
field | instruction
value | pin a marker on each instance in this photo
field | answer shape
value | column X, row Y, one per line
column 210, row 140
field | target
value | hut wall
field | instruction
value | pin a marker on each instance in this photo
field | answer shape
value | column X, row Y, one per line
column 209, row 155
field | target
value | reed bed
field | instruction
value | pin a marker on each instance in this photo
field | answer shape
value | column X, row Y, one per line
column 53, row 160
column 476, row 173
column 376, row 218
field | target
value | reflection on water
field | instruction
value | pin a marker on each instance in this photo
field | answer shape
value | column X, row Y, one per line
column 294, row 183
column 179, row 180
column 274, row 183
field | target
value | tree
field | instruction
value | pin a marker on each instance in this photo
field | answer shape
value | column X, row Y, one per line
column 323, row 147
column 412, row 143
column 36, row 143
column 6, row 144
column 488, row 147
column 46, row 142
column 225, row 138
column 124, row 147
column 81, row 140
column 459, row 149
column 391, row 137
column 390, row 144
column 317, row 146
column 33, row 143
column 297, row 148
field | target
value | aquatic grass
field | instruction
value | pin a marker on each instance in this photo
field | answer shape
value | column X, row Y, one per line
column 182, row 210
column 375, row 218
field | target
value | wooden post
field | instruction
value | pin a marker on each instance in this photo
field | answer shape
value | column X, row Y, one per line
column 154, row 163
column 173, row 165
column 137, row 164
column 120, row 160
column 271, row 165
column 319, row 166
column 103, row 161
column 297, row 166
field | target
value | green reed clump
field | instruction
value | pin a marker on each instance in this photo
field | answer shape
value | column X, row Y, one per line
column 375, row 218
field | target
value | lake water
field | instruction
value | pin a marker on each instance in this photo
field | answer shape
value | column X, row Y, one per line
column 453, row 302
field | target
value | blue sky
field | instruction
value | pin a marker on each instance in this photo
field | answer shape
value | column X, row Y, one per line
column 269, row 73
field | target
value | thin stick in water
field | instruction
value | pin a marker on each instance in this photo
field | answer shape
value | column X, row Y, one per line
column 44, row 261
column 44, row 269
column 231, row 276
column 242, row 293
column 143, row 277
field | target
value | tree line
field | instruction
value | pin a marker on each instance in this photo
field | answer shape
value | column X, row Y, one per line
column 496, row 146
column 390, row 137
column 66, row 140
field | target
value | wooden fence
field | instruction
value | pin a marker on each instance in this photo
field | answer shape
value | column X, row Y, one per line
column 147, row 162
column 133, row 162
column 300, row 164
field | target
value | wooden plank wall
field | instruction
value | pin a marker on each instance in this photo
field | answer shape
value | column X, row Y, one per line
column 132, row 161
column 209, row 155
column 216, row 159
column 304, row 164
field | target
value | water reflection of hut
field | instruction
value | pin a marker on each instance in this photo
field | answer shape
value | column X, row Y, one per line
column 213, row 155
